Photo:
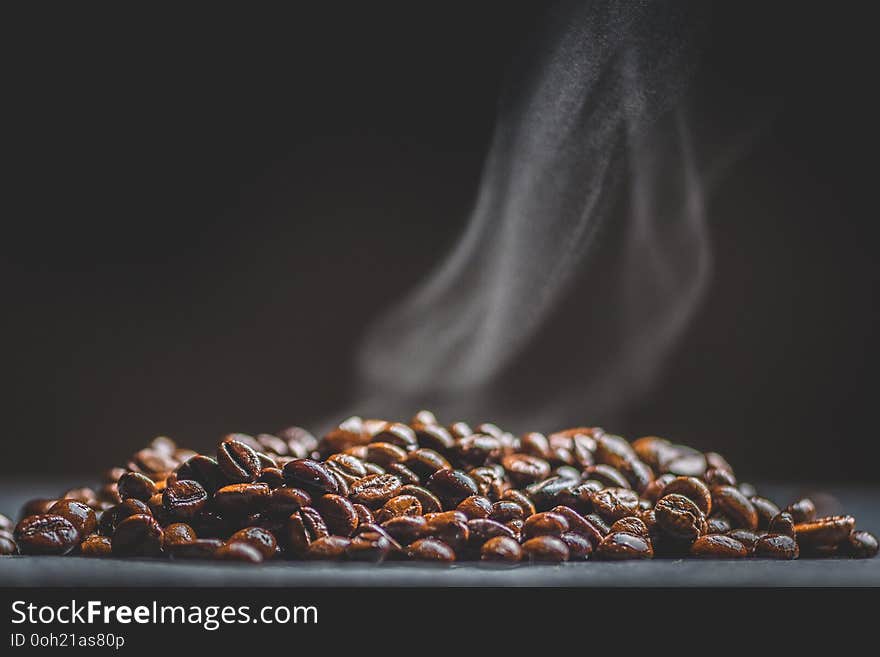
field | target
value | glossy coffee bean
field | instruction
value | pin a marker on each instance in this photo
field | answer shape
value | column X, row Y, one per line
column 138, row 535
column 384, row 454
column 546, row 523
column 46, row 534
column 545, row 549
column 451, row 486
column 261, row 539
column 243, row 499
column 284, row 501
column 620, row 546
column 339, row 514
column 178, row 532
column 369, row 546
column 7, row 544
column 765, row 509
column 776, row 546
column 475, row 506
column 831, row 530
column 425, row 462
column 397, row 434
column 736, row 506
column 582, row 525
column 505, row 510
column 80, row 516
column 406, row 529
column 615, row 503
column 501, row 549
column 654, row 490
column 520, row 498
column 423, row 416
column 272, row 477
column 803, row 510
column 450, row 527
column 136, row 485
column 95, row 545
column 609, row 476
column 630, row 525
column 403, row 473
column 6, row 524
column 431, row 549
column 328, row 548
column 715, row 477
column 524, row 469
column 204, row 470
column 718, row 546
column 399, row 505
column 693, row 489
column 184, row 498
column 861, row 545
column 374, row 490
column 782, row 523
column 238, row 551
column 579, row 546
column 238, row 462
column 365, row 516
column 200, row 548
column 481, row 530
column 747, row 537
column 430, row 503
column 434, row 437
column 679, row 517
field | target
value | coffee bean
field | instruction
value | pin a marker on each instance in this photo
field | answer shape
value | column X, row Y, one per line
column 630, row 525
column 238, row 551
column 692, row 464
column 524, row 469
column 802, row 511
column 6, row 524
column 434, row 437
column 520, row 498
column 243, row 499
column 505, row 510
column 406, row 529
column 452, row 486
column 765, row 509
column 747, row 489
column 95, row 545
column 238, row 462
column 475, row 506
column 747, row 537
column 582, row 525
column 328, row 548
column 718, row 524
column 273, row 444
column 348, row 433
column 450, row 527
column 7, row 544
column 654, row 490
column 272, row 477
column 715, row 477
column 579, row 546
column 339, row 514
column 782, row 523
column 80, row 516
column 425, row 462
column 178, row 532
column 718, row 546
column 136, row 485
column 861, row 545
column 431, row 549
column 547, row 549
column 300, row 442
column 138, row 535
column 552, row 492
column 460, row 429
column 369, row 546
column 183, row 499
column 827, row 531
column 350, row 467
column 284, row 501
column 776, row 546
column 200, row 548
column 258, row 538
column 620, row 546
column 374, row 490
column 83, row 495
column 423, row 417
column 397, row 434
column 609, row 476
column 481, row 530
column 615, row 503
column 693, row 489
column 365, row 516
column 501, row 549
column 679, row 517
column 384, row 454
column 736, row 506
column 545, row 524
column 46, row 534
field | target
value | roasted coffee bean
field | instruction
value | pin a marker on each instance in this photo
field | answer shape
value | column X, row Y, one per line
column 328, row 548
column 297, row 534
column 535, row 444
column 630, row 525
column 460, row 430
column 552, row 492
column 284, row 501
column 598, row 522
column 200, row 548
column 136, row 485
column 524, row 470
column 300, row 442
column 397, row 434
column 747, row 489
column 481, row 530
column 369, row 546
column 384, row 454
column 6, row 524
column 238, row 462
column 204, row 470
column 273, row 444
column 151, row 461
column 654, row 490
column 338, row 513
column 348, row 433
column 434, row 437
column 95, row 545
column 238, row 551
column 374, row 490
column 679, row 517
column 776, row 546
column 693, row 489
column 243, row 499
column 567, row 472
column 861, row 545
column 505, row 510
column 7, row 544
column 178, row 532
column 475, row 450
column 736, row 506
column 501, row 549
column 272, row 477
column 406, row 529
column 351, row 467
column 516, row 526
column 718, row 524
column 581, row 524
column 450, row 527
column 613, row 450
column 365, row 516
column 714, row 477
column 452, row 486
column 405, row 475
column 425, row 462
column 475, row 506
column 824, row 531
column 266, row 461
column 431, row 549
column 782, row 523
column 620, row 546
column 184, row 499
column 261, row 539
column 547, row 549
column 46, row 534
column 653, row 450
column 687, row 464
column 545, row 524
column 609, row 476
column 802, row 511
column 579, row 546
column 430, row 503
column 83, row 495
column 138, row 535
column 423, row 417
column 765, row 509
column 638, row 474
column 718, row 546
column 80, row 516
column 520, row 498
column 748, row 537
column 615, row 503
column 400, row 505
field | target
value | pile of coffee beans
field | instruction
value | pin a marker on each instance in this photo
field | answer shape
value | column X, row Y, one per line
column 372, row 490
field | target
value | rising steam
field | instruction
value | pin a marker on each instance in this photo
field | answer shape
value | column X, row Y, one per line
column 586, row 253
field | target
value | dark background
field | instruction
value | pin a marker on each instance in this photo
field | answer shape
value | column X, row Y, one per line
column 203, row 212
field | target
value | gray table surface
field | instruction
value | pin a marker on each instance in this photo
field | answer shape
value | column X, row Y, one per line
column 79, row 572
